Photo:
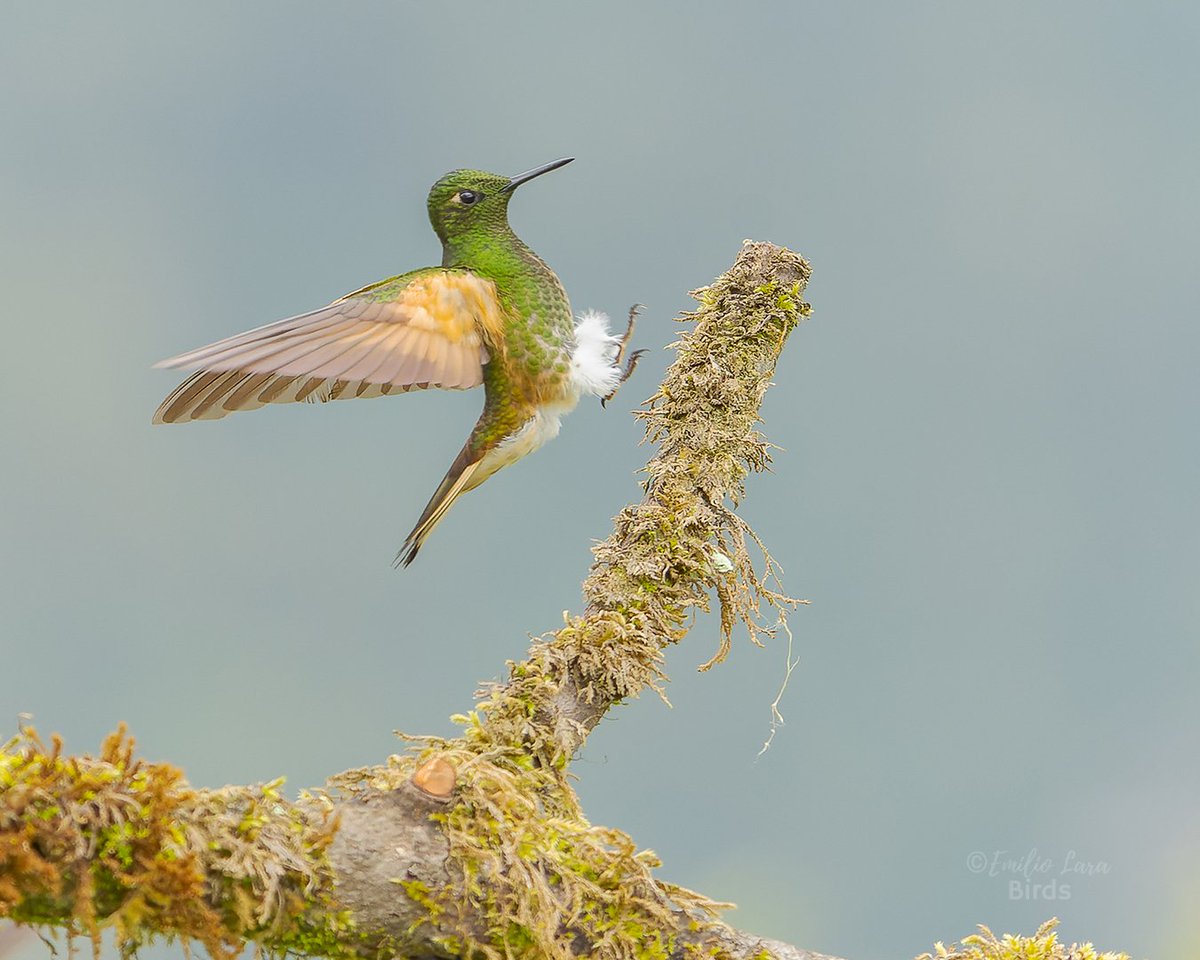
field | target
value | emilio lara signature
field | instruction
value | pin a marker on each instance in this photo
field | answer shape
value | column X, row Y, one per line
column 1035, row 876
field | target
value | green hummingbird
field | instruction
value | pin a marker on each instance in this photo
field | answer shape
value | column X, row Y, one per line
column 493, row 314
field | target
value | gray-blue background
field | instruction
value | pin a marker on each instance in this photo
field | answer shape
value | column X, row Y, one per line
column 990, row 474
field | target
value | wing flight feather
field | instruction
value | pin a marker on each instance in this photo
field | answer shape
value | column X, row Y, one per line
column 429, row 330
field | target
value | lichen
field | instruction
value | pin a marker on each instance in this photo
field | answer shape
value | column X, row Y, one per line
column 1043, row 945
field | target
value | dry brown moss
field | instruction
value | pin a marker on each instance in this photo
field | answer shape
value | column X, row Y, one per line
column 115, row 841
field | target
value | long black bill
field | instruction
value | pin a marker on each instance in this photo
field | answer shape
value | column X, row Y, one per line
column 528, row 175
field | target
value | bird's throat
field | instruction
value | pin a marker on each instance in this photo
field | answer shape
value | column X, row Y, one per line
column 497, row 255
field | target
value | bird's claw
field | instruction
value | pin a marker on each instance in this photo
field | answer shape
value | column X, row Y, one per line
column 632, row 362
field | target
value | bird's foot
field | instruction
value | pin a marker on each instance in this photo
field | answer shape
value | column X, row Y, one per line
column 630, row 363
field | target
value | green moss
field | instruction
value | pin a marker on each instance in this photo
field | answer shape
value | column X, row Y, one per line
column 516, row 939
column 419, row 893
column 41, row 910
column 334, row 937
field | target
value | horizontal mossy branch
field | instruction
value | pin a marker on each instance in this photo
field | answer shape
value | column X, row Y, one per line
column 474, row 846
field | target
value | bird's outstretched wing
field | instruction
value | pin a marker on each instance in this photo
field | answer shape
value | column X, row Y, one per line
column 429, row 328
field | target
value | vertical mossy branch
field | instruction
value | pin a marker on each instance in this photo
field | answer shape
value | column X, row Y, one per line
column 683, row 543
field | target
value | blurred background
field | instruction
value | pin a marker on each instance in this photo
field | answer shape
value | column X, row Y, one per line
column 989, row 478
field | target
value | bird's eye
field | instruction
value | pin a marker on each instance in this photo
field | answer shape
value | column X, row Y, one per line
column 468, row 197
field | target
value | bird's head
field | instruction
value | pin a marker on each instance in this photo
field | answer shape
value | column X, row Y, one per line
column 470, row 203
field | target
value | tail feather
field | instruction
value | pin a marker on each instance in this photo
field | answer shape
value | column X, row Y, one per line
column 456, row 482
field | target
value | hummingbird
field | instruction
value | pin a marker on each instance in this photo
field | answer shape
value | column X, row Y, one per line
column 493, row 314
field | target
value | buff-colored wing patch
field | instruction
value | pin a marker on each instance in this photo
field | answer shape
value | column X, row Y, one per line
column 432, row 331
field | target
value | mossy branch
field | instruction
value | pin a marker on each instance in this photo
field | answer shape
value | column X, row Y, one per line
column 474, row 846
column 114, row 841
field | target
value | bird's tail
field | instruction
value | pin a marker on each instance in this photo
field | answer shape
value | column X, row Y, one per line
column 456, row 482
